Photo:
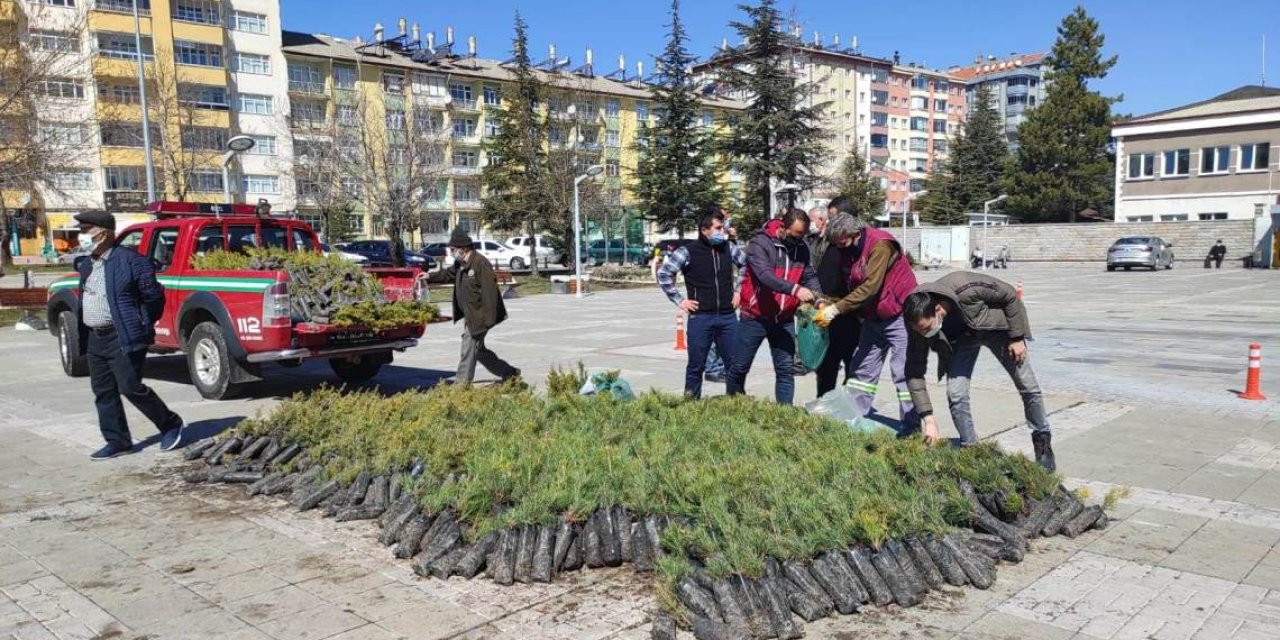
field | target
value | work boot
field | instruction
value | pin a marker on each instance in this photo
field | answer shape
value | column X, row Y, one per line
column 1043, row 443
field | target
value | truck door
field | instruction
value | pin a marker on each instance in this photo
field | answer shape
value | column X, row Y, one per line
column 162, row 250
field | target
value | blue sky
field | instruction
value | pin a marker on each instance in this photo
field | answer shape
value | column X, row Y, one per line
column 1171, row 52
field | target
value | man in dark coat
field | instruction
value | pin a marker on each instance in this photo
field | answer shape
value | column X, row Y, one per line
column 478, row 304
column 1217, row 253
column 120, row 302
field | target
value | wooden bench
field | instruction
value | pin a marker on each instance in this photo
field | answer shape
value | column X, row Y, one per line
column 23, row 297
column 505, row 278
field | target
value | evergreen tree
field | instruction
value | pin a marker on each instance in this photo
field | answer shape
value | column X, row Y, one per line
column 1062, row 165
column 979, row 155
column 676, row 175
column 513, row 184
column 779, row 135
column 854, row 182
column 941, row 202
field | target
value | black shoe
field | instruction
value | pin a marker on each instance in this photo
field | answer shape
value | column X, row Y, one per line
column 172, row 439
column 110, row 451
column 1042, row 441
column 714, row 378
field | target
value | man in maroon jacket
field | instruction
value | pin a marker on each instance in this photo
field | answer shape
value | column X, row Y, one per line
column 778, row 278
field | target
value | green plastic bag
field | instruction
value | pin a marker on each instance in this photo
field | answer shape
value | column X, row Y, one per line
column 811, row 340
column 608, row 382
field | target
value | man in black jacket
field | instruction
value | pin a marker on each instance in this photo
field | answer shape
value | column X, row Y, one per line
column 478, row 304
column 1217, row 253
column 708, row 264
column 120, row 302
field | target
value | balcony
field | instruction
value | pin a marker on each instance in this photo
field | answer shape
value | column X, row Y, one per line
column 308, row 124
column 494, row 106
column 468, row 205
column 314, row 89
column 590, row 147
column 560, row 116
column 432, row 101
column 464, row 104
column 123, row 6
column 467, row 138
column 1016, row 90
column 465, row 170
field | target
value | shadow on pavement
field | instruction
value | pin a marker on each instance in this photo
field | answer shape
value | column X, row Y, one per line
column 194, row 432
column 278, row 381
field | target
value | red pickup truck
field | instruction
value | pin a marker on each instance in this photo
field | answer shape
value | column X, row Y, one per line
column 230, row 323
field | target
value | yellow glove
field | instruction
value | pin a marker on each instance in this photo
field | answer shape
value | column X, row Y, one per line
column 826, row 315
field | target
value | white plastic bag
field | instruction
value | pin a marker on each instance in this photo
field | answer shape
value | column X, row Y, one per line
column 838, row 403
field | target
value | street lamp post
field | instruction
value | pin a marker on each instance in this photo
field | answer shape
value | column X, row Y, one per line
column 142, row 102
column 592, row 171
column 906, row 216
column 986, row 212
column 235, row 145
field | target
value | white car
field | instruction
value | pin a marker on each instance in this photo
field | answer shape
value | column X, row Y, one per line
column 501, row 255
column 545, row 252
column 351, row 257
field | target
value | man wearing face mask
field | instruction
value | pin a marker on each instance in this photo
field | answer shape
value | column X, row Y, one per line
column 478, row 304
column 708, row 265
column 120, row 302
column 956, row 317
column 779, row 277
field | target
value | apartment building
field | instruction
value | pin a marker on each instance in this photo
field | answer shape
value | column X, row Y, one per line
column 1016, row 85
column 213, row 70
column 1212, row 160
column 598, row 114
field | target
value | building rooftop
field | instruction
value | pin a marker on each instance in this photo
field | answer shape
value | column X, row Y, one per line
column 980, row 69
column 325, row 46
column 1248, row 98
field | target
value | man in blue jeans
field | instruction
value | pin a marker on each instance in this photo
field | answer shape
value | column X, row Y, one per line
column 779, row 278
column 711, row 293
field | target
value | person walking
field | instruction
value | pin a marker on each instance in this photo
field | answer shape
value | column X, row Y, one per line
column 478, row 304
column 833, row 276
column 1217, row 253
column 957, row 316
column 779, row 277
column 120, row 302
column 711, row 294
column 880, row 278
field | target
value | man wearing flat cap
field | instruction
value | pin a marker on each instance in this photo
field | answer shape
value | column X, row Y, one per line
column 120, row 302
column 478, row 304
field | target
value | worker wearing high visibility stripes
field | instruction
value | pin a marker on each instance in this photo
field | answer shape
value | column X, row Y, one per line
column 880, row 278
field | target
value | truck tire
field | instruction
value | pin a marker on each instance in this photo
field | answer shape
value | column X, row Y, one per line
column 356, row 369
column 74, row 363
column 208, row 361
column 517, row 264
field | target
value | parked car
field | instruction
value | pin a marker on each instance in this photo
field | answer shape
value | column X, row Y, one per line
column 378, row 253
column 501, row 255
column 70, row 257
column 545, row 252
column 343, row 253
column 671, row 244
column 616, row 252
column 1140, row 251
column 439, row 251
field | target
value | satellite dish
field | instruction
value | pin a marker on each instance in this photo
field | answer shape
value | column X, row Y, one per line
column 240, row 143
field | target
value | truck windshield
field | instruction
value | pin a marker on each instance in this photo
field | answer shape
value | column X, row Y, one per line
column 245, row 237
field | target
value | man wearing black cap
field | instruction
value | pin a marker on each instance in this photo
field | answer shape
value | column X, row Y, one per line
column 120, row 302
column 478, row 303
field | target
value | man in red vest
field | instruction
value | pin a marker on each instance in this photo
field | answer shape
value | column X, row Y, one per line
column 880, row 279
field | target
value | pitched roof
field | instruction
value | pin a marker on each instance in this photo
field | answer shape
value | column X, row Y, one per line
column 1239, row 100
column 991, row 67
column 325, row 46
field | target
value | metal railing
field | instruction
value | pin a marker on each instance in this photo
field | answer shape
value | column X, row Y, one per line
column 309, row 88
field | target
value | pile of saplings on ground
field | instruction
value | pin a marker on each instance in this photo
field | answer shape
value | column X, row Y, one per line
column 747, row 513
column 324, row 288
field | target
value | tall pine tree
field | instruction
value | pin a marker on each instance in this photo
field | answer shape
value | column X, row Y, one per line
column 779, row 135
column 854, row 182
column 675, row 176
column 514, row 183
column 1062, row 165
column 978, row 155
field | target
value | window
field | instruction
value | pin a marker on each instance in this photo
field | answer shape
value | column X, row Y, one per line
column 919, row 145
column 612, row 168
column 708, row 119
column 55, row 3
column 344, row 77
column 393, row 82
column 255, row 103
column 940, row 145
column 119, row 93
column 253, row 63
column 1173, row 217
column 395, row 119
column 261, row 184
column 430, row 85
column 347, row 114
column 310, row 114
column 1177, row 162
column 353, row 187
column 124, row 178
column 466, row 191
column 1214, row 160
column 464, row 127
column 919, row 124
column 203, row 96
column 464, row 159
column 880, row 97
column 302, row 240
column 73, row 180
column 491, row 128
column 879, row 75
column 126, row 134
column 124, row 6
column 53, row 41
column 919, row 164
column 1217, row 215
column 1142, row 165
column 612, row 108
column 920, row 103
column 305, row 79
column 1141, row 218
column 61, row 88
column 63, row 134
column 879, row 141
column 204, row 138
column 1255, row 157
column 941, row 86
column 920, row 82
column 247, row 22
column 492, row 96
column 197, row 11
column 879, row 119
column 197, row 53
column 263, row 146
column 613, row 138
column 939, row 126
column 462, row 95
column 205, row 182
column 939, row 106
column 163, row 243
column 642, row 111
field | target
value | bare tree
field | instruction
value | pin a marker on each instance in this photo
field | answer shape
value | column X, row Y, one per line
column 323, row 186
column 42, row 58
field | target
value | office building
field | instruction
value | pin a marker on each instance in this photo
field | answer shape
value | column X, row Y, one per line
column 1016, row 86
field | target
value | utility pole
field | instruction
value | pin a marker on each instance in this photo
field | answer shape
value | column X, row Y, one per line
column 142, row 98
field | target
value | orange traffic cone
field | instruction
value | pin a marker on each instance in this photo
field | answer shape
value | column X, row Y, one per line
column 1254, row 379
column 680, row 343
column 1019, row 289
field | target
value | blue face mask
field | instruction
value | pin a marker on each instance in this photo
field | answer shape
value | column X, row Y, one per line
column 718, row 237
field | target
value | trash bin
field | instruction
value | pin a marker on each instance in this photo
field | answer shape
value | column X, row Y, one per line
column 560, row 284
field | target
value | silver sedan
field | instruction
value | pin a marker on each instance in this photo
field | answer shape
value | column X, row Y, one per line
column 1140, row 251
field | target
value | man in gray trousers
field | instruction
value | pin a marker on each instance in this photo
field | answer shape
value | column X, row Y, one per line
column 478, row 304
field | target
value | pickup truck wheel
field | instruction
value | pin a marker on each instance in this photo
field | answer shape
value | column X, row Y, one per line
column 356, row 369
column 74, row 363
column 517, row 264
column 208, row 361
